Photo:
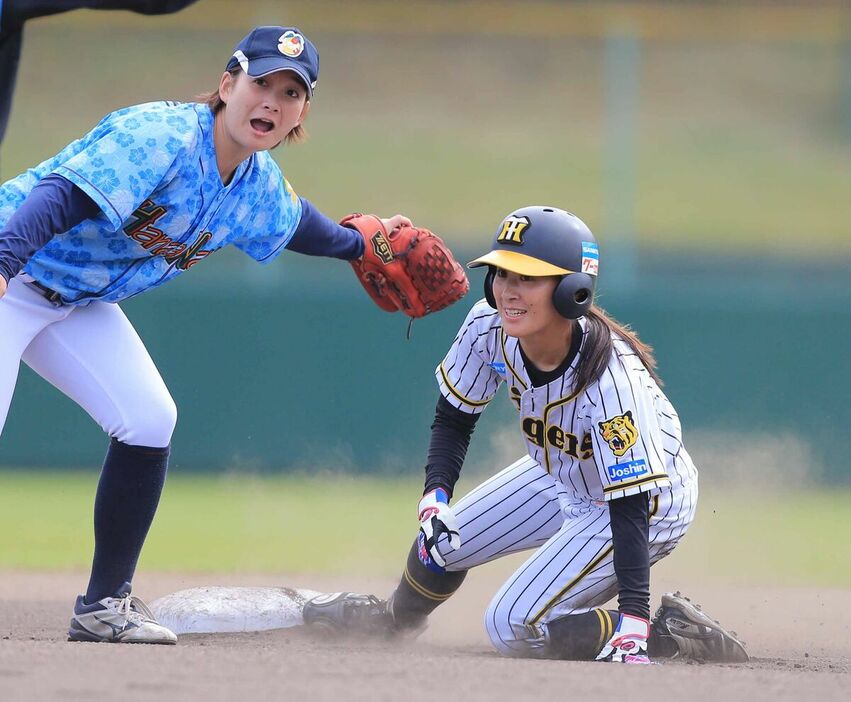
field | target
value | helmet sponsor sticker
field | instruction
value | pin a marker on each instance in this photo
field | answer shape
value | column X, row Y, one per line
column 590, row 258
column 622, row 471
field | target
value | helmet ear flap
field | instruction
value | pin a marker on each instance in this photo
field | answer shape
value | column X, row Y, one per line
column 574, row 295
column 491, row 274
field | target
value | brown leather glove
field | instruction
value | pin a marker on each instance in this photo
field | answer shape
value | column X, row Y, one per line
column 409, row 269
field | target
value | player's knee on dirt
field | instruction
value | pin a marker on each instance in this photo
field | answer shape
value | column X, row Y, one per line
column 509, row 632
column 575, row 637
column 150, row 423
column 420, row 591
column 579, row 637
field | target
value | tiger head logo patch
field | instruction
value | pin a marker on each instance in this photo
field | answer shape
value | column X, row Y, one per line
column 619, row 433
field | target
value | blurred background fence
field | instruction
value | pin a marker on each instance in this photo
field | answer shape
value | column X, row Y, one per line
column 706, row 144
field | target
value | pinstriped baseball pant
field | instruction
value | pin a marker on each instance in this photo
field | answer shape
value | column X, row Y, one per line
column 571, row 571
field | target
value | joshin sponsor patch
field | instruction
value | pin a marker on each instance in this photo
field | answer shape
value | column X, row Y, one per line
column 622, row 471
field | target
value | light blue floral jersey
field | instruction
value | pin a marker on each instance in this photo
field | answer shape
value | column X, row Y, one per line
column 152, row 171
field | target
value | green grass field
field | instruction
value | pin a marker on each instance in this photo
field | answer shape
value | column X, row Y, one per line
column 337, row 524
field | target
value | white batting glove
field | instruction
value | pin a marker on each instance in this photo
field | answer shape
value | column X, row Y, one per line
column 629, row 642
column 436, row 519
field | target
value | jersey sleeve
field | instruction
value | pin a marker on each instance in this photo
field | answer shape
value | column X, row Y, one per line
column 466, row 377
column 125, row 157
column 275, row 221
column 620, row 415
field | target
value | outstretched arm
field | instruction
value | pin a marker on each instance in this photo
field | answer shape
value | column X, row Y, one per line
column 318, row 235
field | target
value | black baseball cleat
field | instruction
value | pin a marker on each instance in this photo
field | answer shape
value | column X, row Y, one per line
column 348, row 613
column 697, row 637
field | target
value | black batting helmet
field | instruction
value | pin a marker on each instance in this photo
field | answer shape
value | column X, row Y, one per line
column 541, row 241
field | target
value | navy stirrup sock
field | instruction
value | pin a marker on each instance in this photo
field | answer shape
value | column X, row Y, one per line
column 127, row 496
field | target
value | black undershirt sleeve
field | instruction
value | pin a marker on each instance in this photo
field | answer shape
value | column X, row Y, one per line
column 630, row 518
column 53, row 206
column 318, row 235
column 450, row 439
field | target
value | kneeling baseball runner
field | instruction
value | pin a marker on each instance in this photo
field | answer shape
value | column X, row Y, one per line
column 149, row 193
column 605, row 490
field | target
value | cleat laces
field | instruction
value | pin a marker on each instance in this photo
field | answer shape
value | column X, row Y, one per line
column 132, row 609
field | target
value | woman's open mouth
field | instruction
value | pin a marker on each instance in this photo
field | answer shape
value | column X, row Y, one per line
column 262, row 125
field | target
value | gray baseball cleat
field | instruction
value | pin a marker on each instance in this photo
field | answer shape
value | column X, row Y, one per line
column 348, row 613
column 119, row 619
column 697, row 636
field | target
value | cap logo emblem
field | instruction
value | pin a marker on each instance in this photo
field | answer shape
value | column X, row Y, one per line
column 512, row 230
column 291, row 43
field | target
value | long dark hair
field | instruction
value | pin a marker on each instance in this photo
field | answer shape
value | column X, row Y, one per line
column 597, row 348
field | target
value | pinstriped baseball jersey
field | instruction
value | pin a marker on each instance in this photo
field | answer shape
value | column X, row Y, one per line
column 615, row 438
column 152, row 171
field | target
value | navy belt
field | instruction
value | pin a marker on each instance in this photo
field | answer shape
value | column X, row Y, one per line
column 53, row 297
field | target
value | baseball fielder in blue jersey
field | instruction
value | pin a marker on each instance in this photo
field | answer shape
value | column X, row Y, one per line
column 149, row 193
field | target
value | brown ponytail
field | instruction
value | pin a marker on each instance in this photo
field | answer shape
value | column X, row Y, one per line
column 597, row 348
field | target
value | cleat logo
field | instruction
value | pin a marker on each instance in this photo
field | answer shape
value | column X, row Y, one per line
column 116, row 630
column 328, row 598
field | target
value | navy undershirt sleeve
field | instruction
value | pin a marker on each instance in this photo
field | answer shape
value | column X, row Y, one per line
column 450, row 438
column 53, row 206
column 318, row 235
column 630, row 518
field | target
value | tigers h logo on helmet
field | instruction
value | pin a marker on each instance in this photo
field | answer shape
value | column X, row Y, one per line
column 542, row 241
column 512, row 230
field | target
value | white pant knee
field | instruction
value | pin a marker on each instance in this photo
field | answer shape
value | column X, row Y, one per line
column 150, row 424
column 509, row 632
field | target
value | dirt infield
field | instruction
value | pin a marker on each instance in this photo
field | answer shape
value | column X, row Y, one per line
column 800, row 640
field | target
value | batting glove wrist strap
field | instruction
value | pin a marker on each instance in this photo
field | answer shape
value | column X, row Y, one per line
column 436, row 519
column 629, row 642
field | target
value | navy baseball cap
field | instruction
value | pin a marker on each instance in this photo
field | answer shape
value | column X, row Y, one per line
column 270, row 49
